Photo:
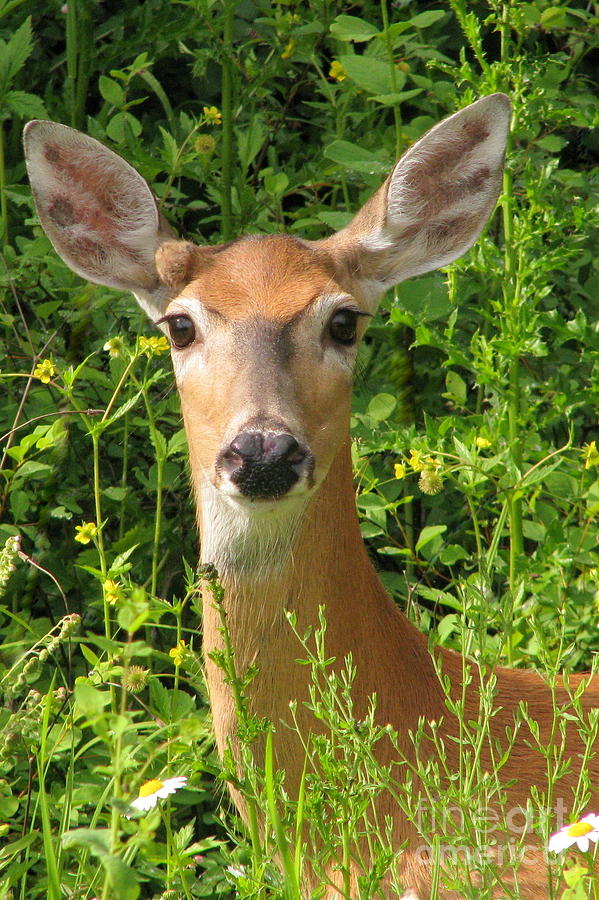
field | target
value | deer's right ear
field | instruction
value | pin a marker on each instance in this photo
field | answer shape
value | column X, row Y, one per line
column 99, row 213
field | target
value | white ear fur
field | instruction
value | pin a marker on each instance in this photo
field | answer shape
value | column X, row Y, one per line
column 97, row 210
column 434, row 203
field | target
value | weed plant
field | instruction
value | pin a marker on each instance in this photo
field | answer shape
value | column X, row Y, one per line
column 474, row 422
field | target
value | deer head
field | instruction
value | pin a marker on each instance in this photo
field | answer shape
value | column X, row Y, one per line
column 264, row 329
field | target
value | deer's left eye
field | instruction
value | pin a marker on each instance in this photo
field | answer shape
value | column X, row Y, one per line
column 182, row 331
column 343, row 327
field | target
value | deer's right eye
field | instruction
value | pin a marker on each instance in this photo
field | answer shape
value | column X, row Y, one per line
column 182, row 331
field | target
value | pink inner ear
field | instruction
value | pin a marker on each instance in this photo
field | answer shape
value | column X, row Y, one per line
column 87, row 192
column 98, row 211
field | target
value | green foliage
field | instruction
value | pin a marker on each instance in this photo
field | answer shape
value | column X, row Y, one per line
column 474, row 415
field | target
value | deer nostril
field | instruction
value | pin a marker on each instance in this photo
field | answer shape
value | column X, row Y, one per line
column 282, row 447
column 247, row 445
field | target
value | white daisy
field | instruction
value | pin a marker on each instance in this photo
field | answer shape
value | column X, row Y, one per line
column 154, row 790
column 579, row 833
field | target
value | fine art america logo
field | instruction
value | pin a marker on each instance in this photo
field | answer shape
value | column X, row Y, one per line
column 496, row 834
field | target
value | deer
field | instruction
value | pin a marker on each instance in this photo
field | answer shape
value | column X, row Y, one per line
column 264, row 331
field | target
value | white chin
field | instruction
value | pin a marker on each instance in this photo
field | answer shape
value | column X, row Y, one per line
column 245, row 537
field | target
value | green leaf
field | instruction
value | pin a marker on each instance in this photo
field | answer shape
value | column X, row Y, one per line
column 428, row 533
column 111, row 91
column 14, row 53
column 381, row 406
column 451, row 554
column 335, row 219
column 89, row 701
column 552, row 143
column 371, row 501
column 122, row 878
column 25, row 106
column 159, row 443
column 355, row 158
column 171, row 153
column 352, row 28
column 447, row 626
column 372, row 75
column 18, row 846
column 122, row 410
column 177, row 443
column 118, row 565
column 250, row 141
column 422, row 20
column 133, row 613
column 456, row 387
column 554, row 17
column 33, row 469
column 276, row 184
column 400, row 97
column 120, row 125
column 97, row 840
column 427, row 299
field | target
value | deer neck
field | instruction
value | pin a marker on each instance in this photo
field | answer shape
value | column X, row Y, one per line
column 321, row 562
column 295, row 556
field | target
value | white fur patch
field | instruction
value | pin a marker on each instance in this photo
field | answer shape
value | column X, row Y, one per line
column 248, row 538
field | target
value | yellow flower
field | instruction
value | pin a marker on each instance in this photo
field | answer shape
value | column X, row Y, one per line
column 400, row 471
column 112, row 591
column 153, row 346
column 337, row 72
column 205, row 144
column 482, row 443
column 86, row 532
column 114, row 346
column 178, row 653
column 212, row 115
column 287, row 52
column 590, row 454
column 416, row 460
column 45, row 370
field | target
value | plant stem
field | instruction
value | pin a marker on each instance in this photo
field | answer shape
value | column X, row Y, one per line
column 85, row 51
column 124, row 475
column 71, row 42
column 3, row 199
column 239, row 699
column 158, row 444
column 116, row 762
column 393, row 76
column 54, row 892
column 511, row 305
column 227, row 121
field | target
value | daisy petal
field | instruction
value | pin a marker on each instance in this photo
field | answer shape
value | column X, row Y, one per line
column 145, row 803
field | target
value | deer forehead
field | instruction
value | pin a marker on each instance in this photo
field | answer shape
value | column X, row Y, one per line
column 275, row 277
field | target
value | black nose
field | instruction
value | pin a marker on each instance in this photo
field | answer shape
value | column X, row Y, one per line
column 263, row 464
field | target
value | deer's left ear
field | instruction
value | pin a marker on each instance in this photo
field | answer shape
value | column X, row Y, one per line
column 433, row 205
